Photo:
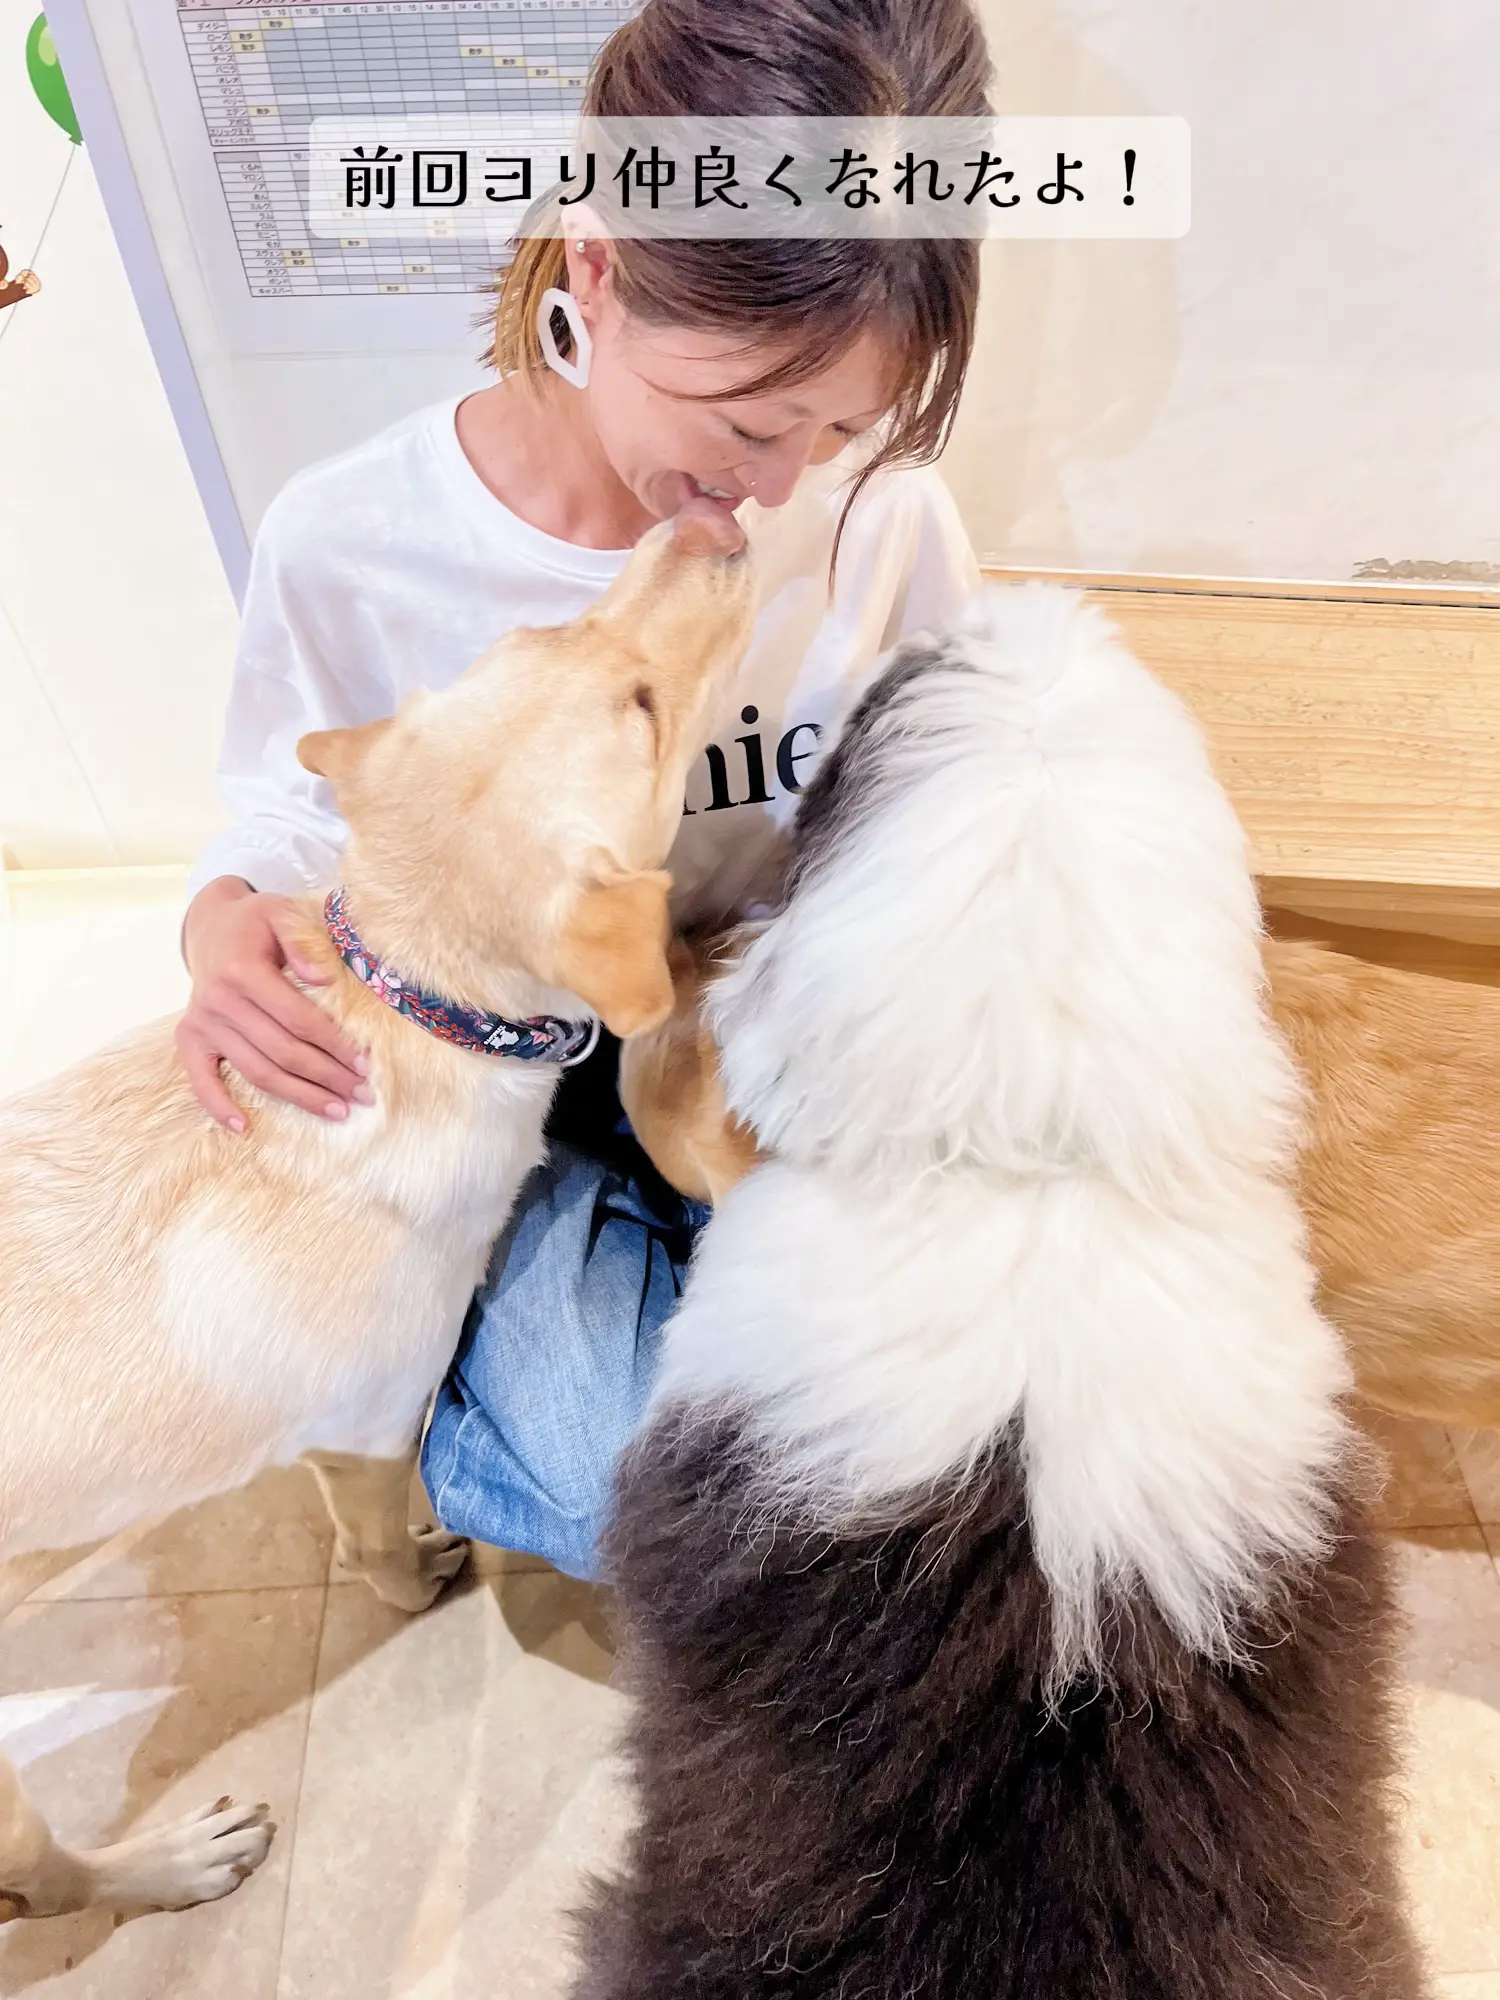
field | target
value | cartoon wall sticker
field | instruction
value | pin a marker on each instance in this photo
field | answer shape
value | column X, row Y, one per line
column 21, row 286
column 47, row 80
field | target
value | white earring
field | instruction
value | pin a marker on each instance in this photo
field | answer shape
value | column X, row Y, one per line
column 576, row 369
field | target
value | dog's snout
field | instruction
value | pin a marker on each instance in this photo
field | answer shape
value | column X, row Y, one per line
column 703, row 527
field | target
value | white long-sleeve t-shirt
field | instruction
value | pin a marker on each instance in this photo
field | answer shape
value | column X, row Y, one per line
column 393, row 567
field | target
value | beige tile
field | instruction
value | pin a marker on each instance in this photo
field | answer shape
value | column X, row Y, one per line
column 1452, row 1602
column 1425, row 1488
column 1478, row 1455
column 459, row 1783
column 163, row 1704
column 1452, row 1781
column 273, row 1533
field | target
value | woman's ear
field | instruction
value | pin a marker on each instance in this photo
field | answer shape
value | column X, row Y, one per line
column 612, row 952
column 589, row 255
column 339, row 754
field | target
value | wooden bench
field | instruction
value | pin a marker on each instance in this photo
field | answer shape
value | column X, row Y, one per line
column 1359, row 738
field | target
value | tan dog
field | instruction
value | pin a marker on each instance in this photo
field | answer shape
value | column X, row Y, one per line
column 180, row 1307
column 1400, row 1176
column 671, row 1089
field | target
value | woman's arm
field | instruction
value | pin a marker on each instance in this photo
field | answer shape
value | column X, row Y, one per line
column 244, row 1010
column 292, row 674
column 284, row 839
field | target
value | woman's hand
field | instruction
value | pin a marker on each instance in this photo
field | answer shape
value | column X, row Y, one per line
column 245, row 1011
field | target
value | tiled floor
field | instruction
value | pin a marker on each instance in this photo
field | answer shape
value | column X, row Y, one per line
column 438, row 1783
column 442, row 1784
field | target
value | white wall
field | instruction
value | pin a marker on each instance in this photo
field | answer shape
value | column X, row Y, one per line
column 1309, row 380
column 116, row 624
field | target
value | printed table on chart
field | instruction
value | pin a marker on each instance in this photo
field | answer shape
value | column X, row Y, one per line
column 263, row 75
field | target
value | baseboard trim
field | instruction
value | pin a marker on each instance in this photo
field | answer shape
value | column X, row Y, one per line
column 1483, row 597
column 30, row 893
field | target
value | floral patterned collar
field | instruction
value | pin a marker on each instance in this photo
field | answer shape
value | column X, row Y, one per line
column 541, row 1040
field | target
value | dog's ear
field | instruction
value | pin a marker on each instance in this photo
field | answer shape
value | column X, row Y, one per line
column 339, row 754
column 613, row 951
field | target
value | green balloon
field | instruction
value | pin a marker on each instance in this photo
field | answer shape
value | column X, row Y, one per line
column 47, row 79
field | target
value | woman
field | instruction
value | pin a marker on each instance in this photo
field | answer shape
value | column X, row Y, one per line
column 800, row 383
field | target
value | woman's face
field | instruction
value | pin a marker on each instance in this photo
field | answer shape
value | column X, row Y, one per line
column 663, row 402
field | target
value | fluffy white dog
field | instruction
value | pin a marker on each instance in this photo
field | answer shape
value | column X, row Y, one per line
column 992, row 1561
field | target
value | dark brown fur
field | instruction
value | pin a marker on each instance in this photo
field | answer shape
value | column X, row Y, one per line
column 853, row 1788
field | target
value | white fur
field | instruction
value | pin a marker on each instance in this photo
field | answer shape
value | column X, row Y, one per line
column 325, row 1327
column 1033, row 1137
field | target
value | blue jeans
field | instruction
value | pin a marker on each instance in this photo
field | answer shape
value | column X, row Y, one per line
column 561, row 1341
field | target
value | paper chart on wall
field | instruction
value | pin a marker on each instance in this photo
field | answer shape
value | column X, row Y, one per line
column 236, row 87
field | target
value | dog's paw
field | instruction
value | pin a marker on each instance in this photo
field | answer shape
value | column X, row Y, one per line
column 416, row 1578
column 195, row 1859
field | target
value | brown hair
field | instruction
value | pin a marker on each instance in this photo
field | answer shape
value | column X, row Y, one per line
column 790, row 58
